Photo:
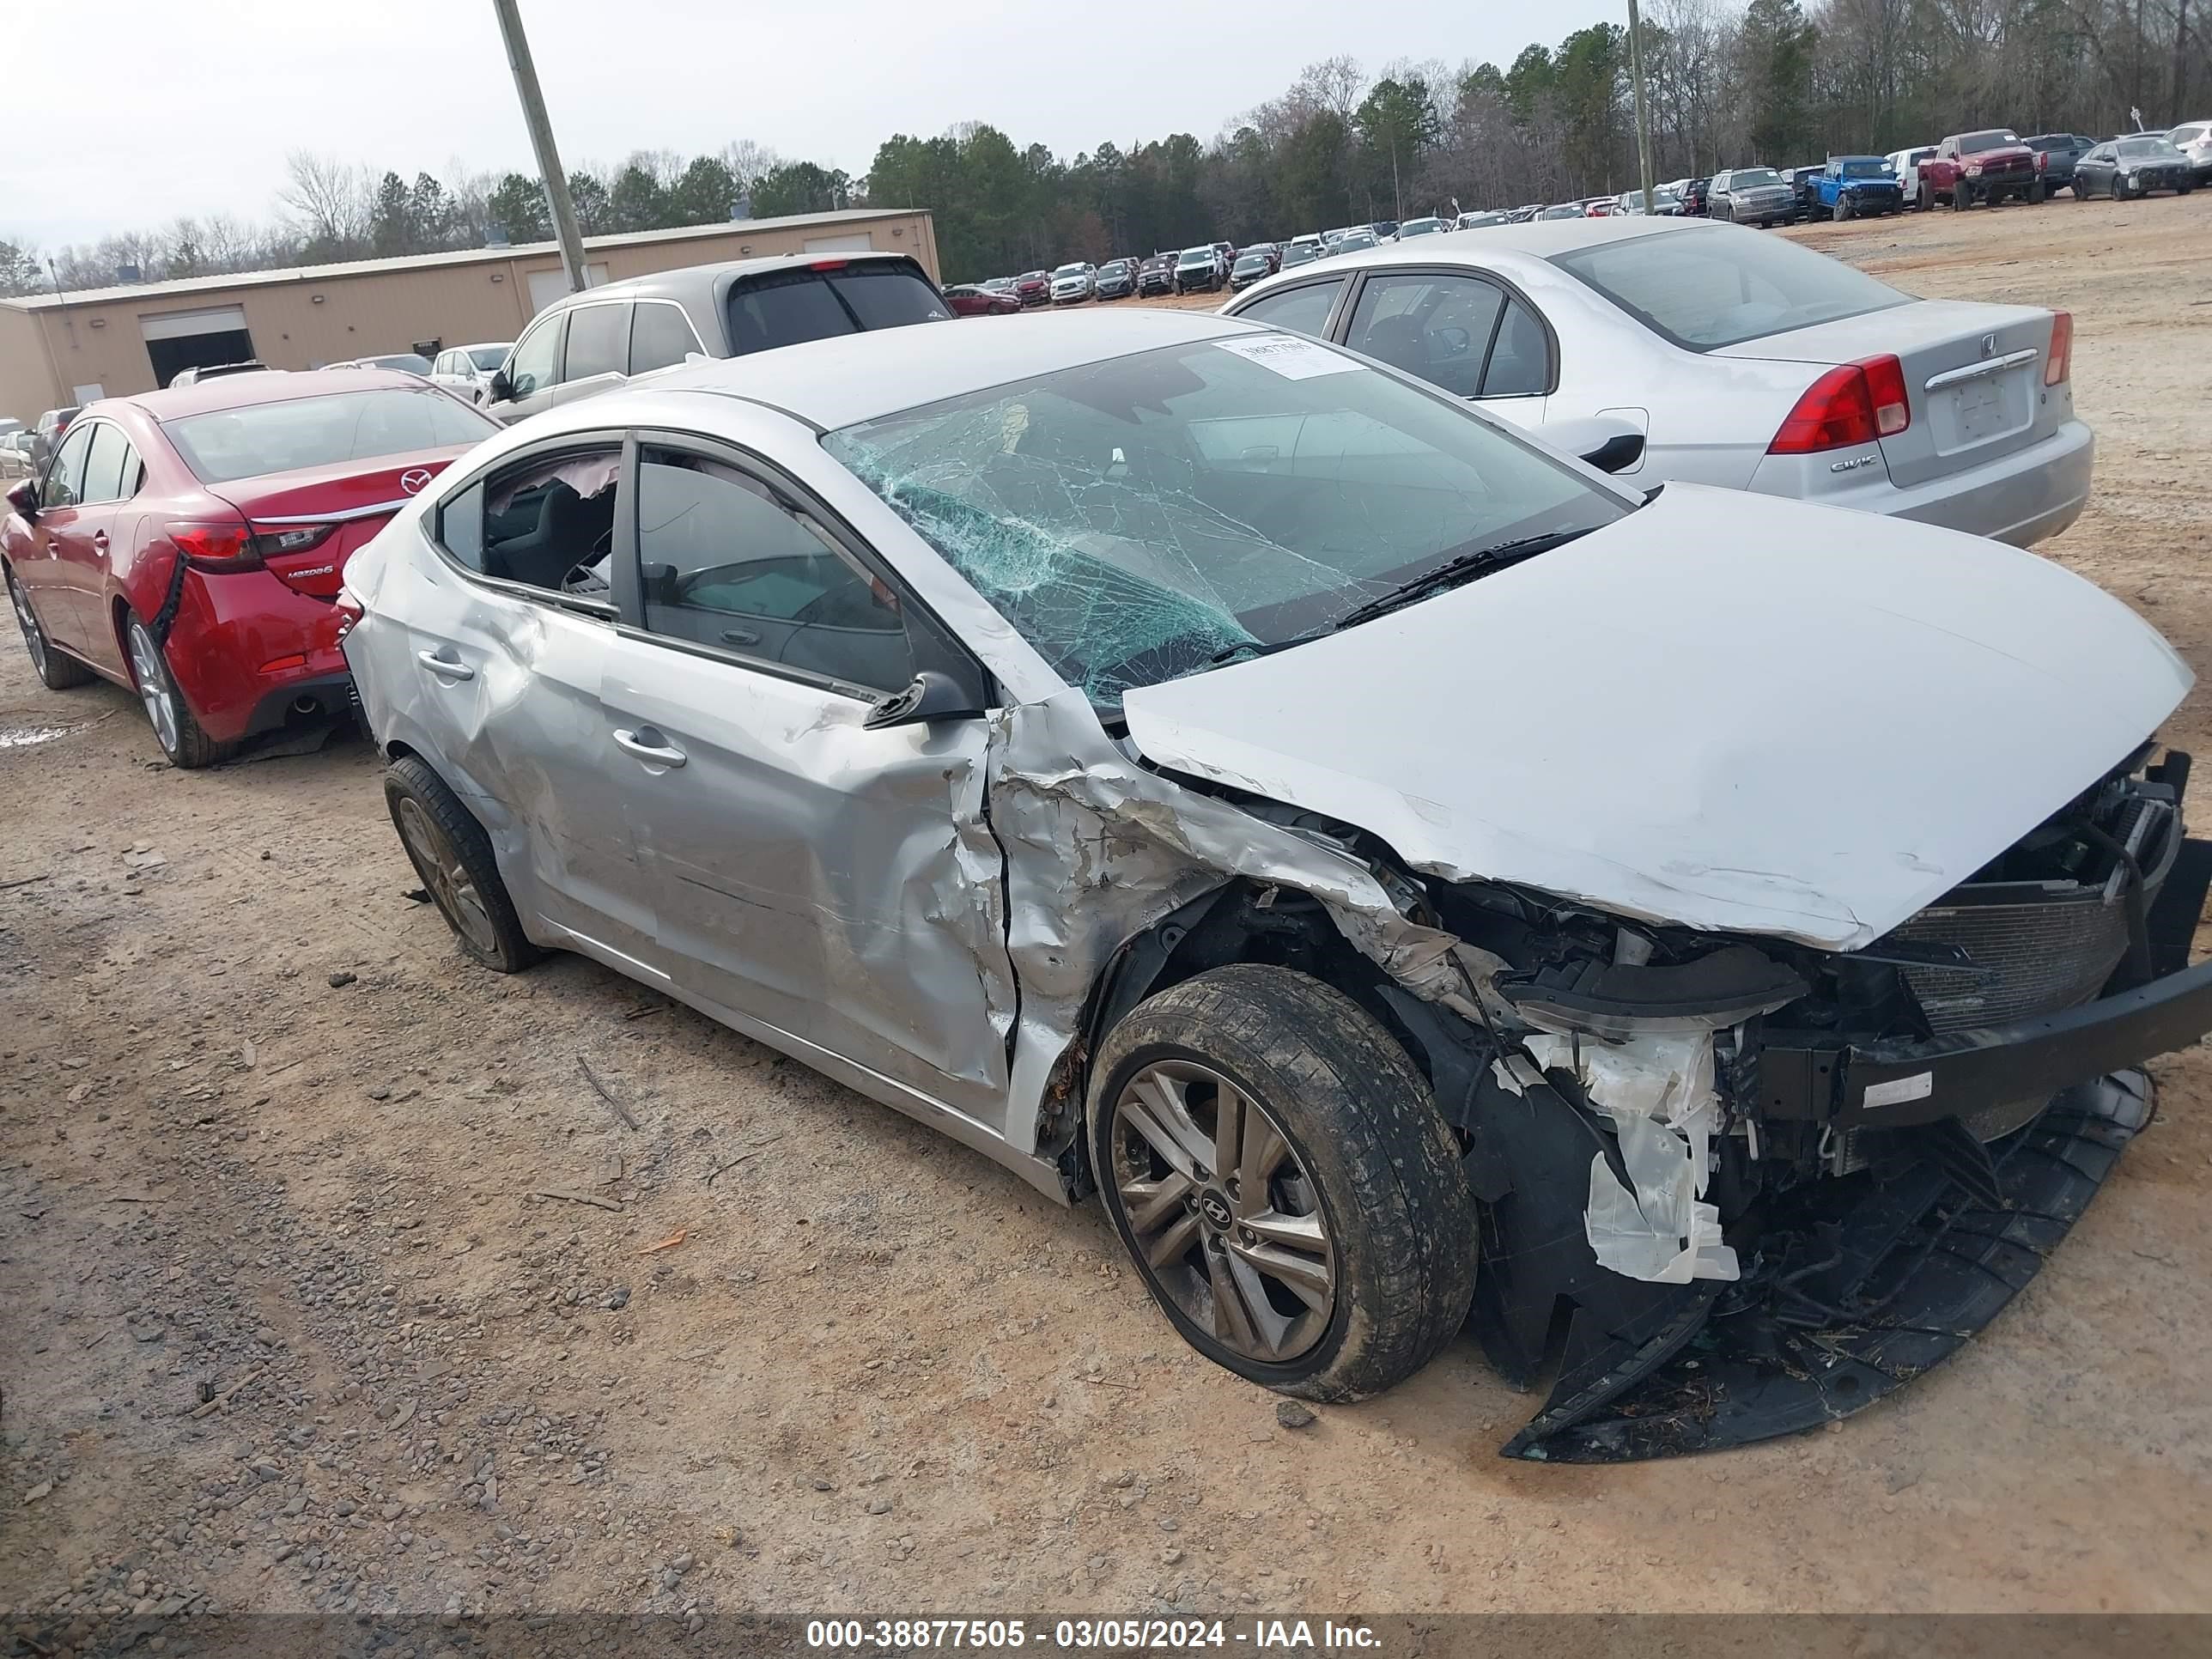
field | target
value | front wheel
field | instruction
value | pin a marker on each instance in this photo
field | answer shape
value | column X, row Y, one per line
column 175, row 726
column 1276, row 1165
column 1842, row 210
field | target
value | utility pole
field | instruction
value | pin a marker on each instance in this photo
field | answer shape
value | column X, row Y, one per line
column 541, row 141
column 1643, row 115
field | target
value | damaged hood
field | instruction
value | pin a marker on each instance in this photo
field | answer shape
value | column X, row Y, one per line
column 1725, row 710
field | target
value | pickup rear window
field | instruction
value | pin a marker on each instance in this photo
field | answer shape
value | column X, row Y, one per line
column 786, row 307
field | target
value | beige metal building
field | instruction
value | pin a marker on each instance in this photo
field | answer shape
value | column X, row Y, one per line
column 64, row 349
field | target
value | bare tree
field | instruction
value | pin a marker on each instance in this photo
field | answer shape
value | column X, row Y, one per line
column 328, row 201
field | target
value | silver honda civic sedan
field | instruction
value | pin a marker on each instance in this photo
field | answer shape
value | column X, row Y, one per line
column 1744, row 360
column 1405, row 873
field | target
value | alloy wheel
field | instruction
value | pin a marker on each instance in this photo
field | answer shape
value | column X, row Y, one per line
column 153, row 679
column 1228, row 1222
column 33, row 641
column 450, row 884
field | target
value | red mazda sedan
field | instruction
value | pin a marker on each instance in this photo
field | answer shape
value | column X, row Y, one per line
column 189, row 543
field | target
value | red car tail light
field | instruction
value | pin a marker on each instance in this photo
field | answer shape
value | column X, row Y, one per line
column 218, row 548
column 1857, row 403
column 2058, row 366
column 1885, row 377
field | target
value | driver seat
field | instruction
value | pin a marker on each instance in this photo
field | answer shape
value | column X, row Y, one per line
column 563, row 536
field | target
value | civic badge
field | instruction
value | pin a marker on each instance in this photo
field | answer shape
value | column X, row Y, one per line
column 1989, row 345
column 414, row 479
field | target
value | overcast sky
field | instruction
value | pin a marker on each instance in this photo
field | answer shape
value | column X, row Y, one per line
column 169, row 108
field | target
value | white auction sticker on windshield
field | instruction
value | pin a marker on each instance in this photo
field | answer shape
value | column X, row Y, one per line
column 1292, row 358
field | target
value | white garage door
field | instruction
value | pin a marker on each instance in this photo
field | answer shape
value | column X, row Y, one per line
column 183, row 325
column 861, row 243
column 547, row 286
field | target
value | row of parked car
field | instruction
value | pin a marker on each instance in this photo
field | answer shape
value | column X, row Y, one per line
column 1042, row 741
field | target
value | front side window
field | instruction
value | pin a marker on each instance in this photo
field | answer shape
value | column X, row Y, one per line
column 1437, row 327
column 599, row 342
column 65, row 484
column 1703, row 288
column 255, row 438
column 1137, row 519
column 535, row 363
column 724, row 562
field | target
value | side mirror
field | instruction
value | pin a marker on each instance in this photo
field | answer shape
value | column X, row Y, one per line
column 23, row 496
column 931, row 696
column 500, row 390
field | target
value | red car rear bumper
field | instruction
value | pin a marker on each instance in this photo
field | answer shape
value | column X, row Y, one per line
column 245, row 646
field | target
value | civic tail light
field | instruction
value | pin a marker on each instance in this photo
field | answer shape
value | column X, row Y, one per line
column 2058, row 363
column 1857, row 403
column 216, row 548
column 350, row 612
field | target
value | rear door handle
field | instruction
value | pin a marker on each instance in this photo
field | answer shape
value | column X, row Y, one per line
column 445, row 666
column 639, row 743
column 99, row 540
column 739, row 636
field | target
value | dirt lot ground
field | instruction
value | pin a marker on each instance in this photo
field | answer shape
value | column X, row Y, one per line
column 270, row 1144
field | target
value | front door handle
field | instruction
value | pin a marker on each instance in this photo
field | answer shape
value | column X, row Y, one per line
column 445, row 666
column 99, row 540
column 641, row 743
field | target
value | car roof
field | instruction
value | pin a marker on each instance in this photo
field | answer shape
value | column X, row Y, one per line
column 696, row 283
column 850, row 378
column 1539, row 239
column 274, row 386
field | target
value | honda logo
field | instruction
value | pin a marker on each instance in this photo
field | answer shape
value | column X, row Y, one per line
column 412, row 480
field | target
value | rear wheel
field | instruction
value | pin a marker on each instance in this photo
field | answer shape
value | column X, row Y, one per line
column 1278, row 1170
column 2035, row 193
column 56, row 671
column 175, row 726
column 452, row 855
column 1926, row 199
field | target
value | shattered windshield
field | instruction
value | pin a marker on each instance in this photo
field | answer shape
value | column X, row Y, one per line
column 1137, row 518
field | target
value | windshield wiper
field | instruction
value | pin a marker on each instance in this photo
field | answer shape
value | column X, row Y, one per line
column 1464, row 567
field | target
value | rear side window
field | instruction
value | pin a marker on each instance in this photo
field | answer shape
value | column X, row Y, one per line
column 547, row 522
column 599, row 340
column 1709, row 287
column 788, row 308
column 111, row 468
column 659, row 336
column 348, row 426
column 1301, row 310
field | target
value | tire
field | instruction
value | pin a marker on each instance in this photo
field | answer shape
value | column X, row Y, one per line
column 1363, row 1159
column 1842, row 210
column 2035, row 193
column 1926, row 199
column 176, row 728
column 56, row 671
column 453, row 856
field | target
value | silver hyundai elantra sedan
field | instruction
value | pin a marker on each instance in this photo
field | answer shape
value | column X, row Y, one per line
column 1406, row 874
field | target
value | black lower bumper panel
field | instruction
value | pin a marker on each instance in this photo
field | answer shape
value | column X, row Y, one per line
column 1895, row 1272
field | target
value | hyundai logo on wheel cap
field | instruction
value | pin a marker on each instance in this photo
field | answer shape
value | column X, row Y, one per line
column 414, row 479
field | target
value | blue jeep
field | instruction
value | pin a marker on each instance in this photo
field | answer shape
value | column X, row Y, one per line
column 1853, row 184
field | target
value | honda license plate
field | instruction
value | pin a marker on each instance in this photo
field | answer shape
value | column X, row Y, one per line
column 1980, row 409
